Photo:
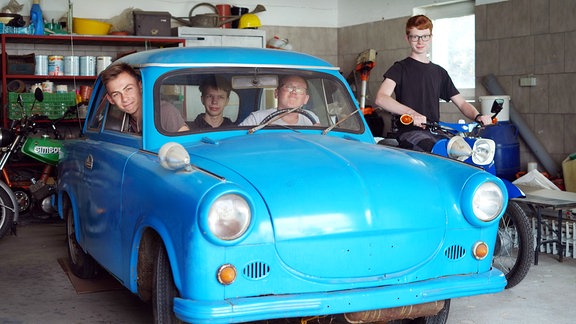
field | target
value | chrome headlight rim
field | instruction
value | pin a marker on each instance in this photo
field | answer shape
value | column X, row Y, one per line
column 484, row 199
column 226, row 217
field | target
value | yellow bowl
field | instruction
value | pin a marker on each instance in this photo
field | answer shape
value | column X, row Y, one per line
column 90, row 27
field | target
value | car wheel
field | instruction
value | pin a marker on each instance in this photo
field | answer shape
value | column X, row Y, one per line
column 164, row 290
column 514, row 245
column 81, row 263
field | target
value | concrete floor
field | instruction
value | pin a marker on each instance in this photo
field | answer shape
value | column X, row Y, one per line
column 35, row 289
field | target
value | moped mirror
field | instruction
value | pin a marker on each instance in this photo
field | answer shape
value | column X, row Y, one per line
column 497, row 106
column 38, row 94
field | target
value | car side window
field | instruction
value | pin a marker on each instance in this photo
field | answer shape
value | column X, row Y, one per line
column 98, row 118
column 116, row 120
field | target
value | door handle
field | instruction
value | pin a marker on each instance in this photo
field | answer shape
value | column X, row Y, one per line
column 89, row 162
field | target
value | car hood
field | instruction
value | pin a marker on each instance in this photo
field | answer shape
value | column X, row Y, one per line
column 334, row 201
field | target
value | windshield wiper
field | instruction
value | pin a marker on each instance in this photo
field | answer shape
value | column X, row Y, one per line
column 259, row 127
column 327, row 130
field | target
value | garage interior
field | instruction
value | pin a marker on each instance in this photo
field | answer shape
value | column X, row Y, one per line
column 515, row 39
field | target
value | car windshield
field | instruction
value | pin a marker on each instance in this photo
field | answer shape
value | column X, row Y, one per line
column 242, row 98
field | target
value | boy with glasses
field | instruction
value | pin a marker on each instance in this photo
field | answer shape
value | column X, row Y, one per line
column 292, row 92
column 418, row 85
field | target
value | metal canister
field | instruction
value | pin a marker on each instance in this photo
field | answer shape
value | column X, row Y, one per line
column 71, row 65
column 61, row 88
column 102, row 63
column 55, row 65
column 88, row 65
column 41, row 67
column 48, row 86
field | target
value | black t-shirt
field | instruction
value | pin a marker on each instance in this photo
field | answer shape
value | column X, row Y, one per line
column 199, row 122
column 420, row 86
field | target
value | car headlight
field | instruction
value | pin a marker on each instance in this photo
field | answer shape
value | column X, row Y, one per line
column 483, row 199
column 229, row 217
column 487, row 202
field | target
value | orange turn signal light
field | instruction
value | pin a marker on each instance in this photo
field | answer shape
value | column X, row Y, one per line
column 480, row 250
column 406, row 119
column 226, row 274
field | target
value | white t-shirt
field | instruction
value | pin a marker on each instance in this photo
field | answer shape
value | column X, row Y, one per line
column 256, row 117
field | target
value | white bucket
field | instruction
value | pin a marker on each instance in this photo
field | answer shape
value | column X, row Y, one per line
column 488, row 101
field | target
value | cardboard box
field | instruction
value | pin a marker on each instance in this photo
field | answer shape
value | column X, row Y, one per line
column 152, row 23
column 569, row 172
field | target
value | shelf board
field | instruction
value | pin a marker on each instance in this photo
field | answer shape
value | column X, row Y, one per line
column 51, row 77
column 94, row 40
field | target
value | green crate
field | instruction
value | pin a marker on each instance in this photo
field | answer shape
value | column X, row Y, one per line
column 53, row 106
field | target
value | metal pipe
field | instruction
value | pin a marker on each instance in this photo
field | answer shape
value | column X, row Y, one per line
column 396, row 313
column 491, row 84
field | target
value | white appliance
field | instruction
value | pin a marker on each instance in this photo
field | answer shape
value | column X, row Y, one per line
column 221, row 36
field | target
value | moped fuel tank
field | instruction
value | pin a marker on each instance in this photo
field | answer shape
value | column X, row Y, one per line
column 44, row 149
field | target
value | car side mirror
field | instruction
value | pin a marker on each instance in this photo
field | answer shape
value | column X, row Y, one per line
column 173, row 156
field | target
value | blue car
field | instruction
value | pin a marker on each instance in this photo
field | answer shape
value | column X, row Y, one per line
column 261, row 220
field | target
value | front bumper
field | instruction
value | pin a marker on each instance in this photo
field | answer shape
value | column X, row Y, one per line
column 337, row 302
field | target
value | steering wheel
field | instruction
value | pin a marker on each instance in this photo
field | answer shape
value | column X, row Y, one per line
column 281, row 111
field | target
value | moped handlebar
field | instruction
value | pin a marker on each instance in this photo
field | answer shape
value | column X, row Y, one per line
column 452, row 128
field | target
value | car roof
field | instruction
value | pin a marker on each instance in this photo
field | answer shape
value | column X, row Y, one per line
column 225, row 56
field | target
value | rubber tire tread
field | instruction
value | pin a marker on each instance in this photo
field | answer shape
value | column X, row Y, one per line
column 526, row 245
column 82, row 265
column 164, row 290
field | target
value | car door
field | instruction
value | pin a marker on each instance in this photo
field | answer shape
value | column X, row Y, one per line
column 103, row 156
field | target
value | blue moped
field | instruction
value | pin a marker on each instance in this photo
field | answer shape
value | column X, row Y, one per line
column 515, row 241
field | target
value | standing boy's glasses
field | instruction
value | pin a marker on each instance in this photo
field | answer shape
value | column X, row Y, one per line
column 415, row 38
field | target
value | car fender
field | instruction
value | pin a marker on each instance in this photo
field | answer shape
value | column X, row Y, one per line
column 160, row 228
column 68, row 199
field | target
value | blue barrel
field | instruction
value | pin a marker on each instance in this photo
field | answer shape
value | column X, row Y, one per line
column 507, row 157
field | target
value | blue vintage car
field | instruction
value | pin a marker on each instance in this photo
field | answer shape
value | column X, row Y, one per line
column 266, row 221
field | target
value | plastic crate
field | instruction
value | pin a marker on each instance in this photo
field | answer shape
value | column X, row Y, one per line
column 53, row 106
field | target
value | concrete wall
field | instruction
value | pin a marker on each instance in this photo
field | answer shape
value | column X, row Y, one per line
column 521, row 38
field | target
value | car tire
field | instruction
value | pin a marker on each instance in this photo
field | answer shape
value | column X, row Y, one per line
column 81, row 263
column 164, row 290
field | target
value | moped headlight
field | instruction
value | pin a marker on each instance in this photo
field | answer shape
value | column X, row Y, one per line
column 6, row 137
column 487, row 202
column 229, row 217
column 483, row 151
column 458, row 149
